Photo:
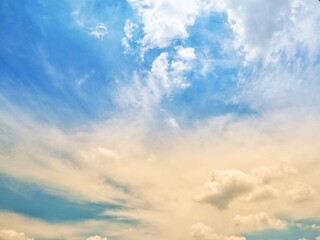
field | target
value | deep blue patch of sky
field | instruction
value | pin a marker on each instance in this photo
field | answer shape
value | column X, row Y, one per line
column 31, row 200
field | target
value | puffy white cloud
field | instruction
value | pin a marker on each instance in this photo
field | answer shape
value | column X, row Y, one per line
column 300, row 192
column 186, row 54
column 13, row 235
column 96, row 238
column 203, row 232
column 259, row 221
column 165, row 20
column 224, row 186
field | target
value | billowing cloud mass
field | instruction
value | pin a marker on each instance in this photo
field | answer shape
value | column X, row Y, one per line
column 159, row 119
column 165, row 21
column 225, row 186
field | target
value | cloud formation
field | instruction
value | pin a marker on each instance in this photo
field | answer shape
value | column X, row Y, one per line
column 13, row 235
column 164, row 21
column 259, row 221
column 96, row 238
column 203, row 232
column 225, row 186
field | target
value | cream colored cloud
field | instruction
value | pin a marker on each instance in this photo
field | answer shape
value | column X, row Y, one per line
column 225, row 186
column 267, row 174
column 259, row 221
column 12, row 235
column 263, row 193
column 300, row 192
column 96, row 238
column 164, row 172
column 203, row 232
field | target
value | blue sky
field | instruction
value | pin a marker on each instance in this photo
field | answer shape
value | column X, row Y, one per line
column 159, row 119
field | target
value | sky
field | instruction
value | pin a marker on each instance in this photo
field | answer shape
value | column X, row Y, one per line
column 159, row 120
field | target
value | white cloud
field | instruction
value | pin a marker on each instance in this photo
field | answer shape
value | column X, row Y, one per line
column 165, row 20
column 224, row 186
column 164, row 78
column 99, row 31
column 96, row 238
column 172, row 122
column 128, row 29
column 259, row 221
column 203, row 232
column 286, row 70
column 186, row 54
column 254, row 23
column 12, row 235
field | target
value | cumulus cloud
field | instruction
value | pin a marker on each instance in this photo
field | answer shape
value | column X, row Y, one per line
column 203, row 232
column 13, row 235
column 259, row 221
column 165, row 20
column 224, row 186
